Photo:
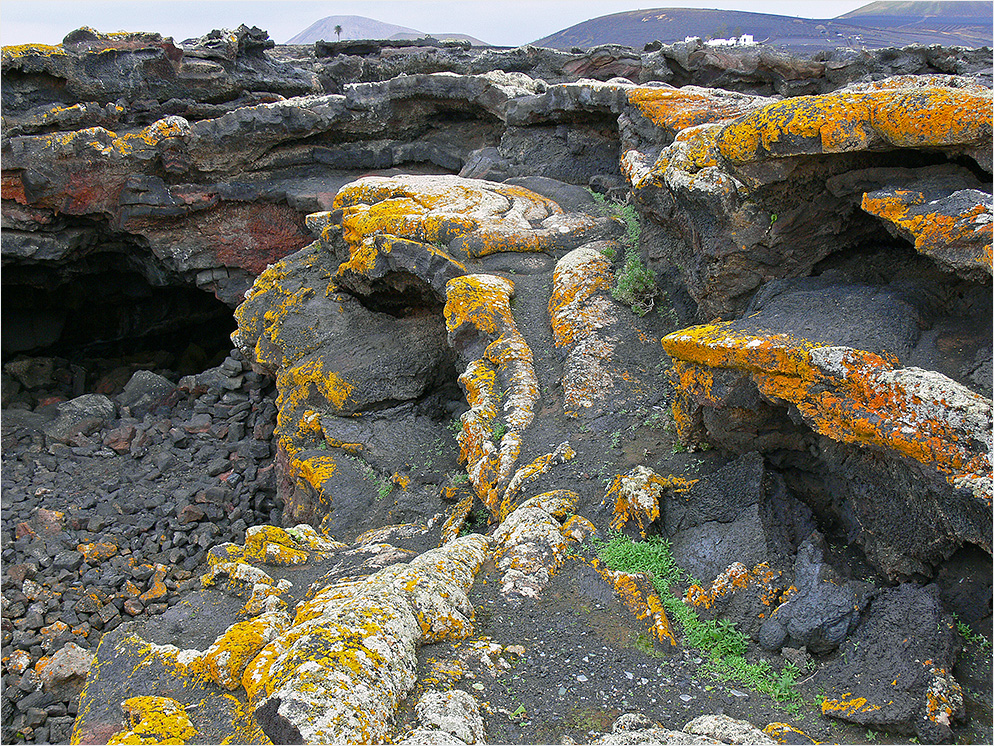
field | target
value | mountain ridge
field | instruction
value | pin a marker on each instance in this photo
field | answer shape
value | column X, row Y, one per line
column 874, row 30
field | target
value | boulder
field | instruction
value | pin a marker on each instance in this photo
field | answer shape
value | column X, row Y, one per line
column 144, row 392
column 822, row 611
column 740, row 161
column 262, row 676
column 895, row 672
column 80, row 416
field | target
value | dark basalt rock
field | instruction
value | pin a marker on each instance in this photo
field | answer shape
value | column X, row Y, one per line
column 894, row 673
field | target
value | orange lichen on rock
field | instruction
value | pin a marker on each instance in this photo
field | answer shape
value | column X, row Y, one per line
column 954, row 233
column 637, row 593
column 847, row 705
column 454, row 523
column 13, row 51
column 676, row 109
column 531, row 543
column 736, row 577
column 472, row 217
column 96, row 552
column 849, row 395
column 579, row 309
column 636, row 496
column 478, row 307
column 903, row 115
column 943, row 698
column 573, row 306
column 563, row 453
column 785, row 733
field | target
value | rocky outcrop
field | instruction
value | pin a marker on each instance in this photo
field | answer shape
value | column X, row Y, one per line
column 770, row 369
column 741, row 168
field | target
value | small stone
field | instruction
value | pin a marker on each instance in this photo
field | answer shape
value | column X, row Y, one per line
column 18, row 661
column 69, row 560
column 107, row 613
column 133, row 606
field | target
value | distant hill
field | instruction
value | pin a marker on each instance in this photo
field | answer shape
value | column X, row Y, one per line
column 967, row 19
column 353, row 27
column 873, row 26
column 360, row 27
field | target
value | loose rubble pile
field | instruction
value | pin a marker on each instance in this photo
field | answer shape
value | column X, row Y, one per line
column 110, row 506
column 496, row 456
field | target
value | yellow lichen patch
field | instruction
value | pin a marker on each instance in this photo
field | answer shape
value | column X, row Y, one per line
column 155, row 720
column 272, row 545
column 563, row 453
column 439, row 210
column 455, row 521
column 721, row 346
column 478, row 308
column 577, row 528
column 226, row 659
column 934, row 231
column 297, row 383
column 103, row 142
column 675, row 109
column 245, row 729
column 223, row 553
column 577, row 278
column 847, row 705
column 531, row 544
column 481, row 300
column 846, row 121
column 849, row 395
column 14, row 51
column 636, row 496
column 784, row 733
column 237, row 578
column 943, row 698
column 736, row 577
column 349, row 658
column 636, row 592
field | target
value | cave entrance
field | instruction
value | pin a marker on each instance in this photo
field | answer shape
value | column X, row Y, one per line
column 94, row 329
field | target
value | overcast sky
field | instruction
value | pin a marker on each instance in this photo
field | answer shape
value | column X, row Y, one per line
column 500, row 22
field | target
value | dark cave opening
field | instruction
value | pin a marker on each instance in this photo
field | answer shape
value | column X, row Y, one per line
column 100, row 327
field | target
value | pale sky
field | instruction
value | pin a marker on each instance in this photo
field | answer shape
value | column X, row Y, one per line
column 499, row 22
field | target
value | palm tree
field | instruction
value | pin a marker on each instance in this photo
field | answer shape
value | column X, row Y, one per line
column 338, row 31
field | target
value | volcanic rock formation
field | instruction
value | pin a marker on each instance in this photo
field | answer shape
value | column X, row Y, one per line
column 594, row 369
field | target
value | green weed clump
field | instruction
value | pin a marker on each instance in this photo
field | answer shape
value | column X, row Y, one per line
column 634, row 283
column 723, row 644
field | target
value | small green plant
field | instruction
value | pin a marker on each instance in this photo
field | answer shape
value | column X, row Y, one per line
column 456, row 426
column 773, row 218
column 658, row 420
column 968, row 635
column 475, row 522
column 615, row 438
column 384, row 488
column 871, row 735
column 635, row 284
column 458, row 477
column 500, row 429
